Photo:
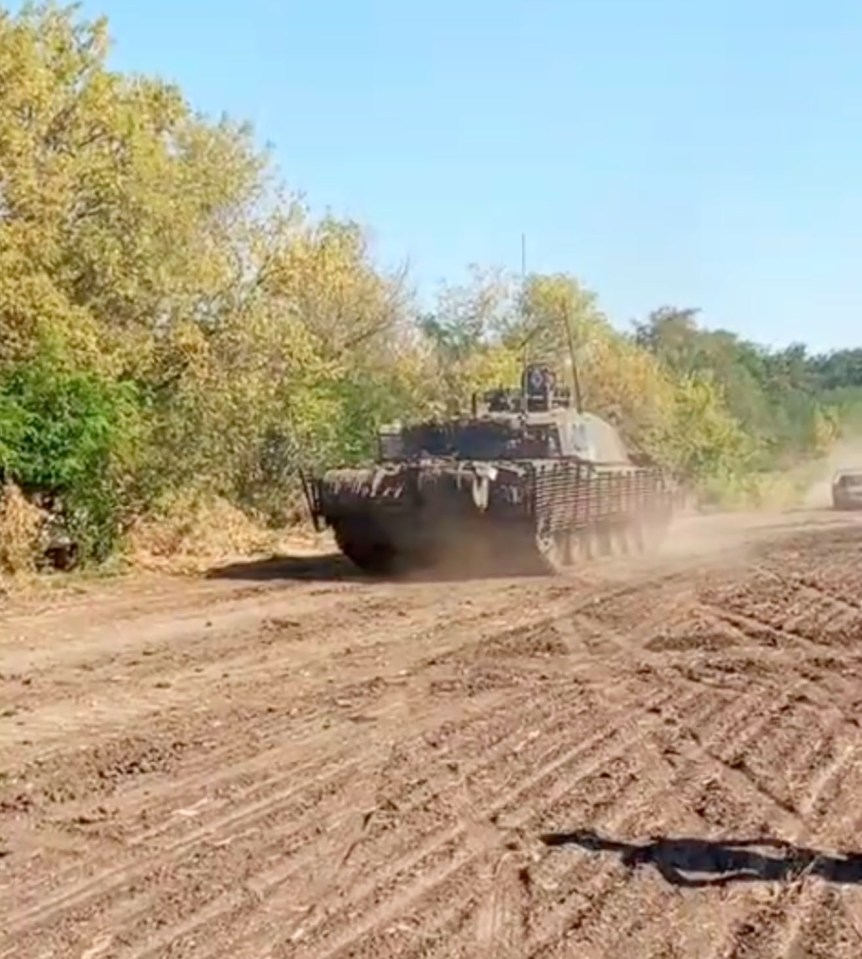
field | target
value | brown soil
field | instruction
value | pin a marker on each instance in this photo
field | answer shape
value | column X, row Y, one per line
column 651, row 758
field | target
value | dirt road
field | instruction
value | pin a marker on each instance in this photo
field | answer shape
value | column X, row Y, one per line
column 292, row 760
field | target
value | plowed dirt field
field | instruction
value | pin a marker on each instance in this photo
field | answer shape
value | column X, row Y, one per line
column 647, row 758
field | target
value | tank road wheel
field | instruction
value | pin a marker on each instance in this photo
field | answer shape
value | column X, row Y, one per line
column 365, row 546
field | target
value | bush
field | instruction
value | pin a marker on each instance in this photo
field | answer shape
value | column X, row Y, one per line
column 753, row 491
column 188, row 528
column 70, row 435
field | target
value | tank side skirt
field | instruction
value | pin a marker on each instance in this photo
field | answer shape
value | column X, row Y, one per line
column 575, row 496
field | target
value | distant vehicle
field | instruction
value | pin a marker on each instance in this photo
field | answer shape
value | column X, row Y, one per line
column 847, row 489
column 525, row 474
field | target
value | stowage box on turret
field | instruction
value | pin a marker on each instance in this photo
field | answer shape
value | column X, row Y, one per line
column 525, row 479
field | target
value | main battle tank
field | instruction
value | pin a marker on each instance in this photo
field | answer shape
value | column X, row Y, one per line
column 525, row 480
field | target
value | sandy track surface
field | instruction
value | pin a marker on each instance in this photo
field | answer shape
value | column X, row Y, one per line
column 652, row 758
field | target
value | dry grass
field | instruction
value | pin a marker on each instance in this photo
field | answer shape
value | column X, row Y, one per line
column 192, row 532
column 21, row 533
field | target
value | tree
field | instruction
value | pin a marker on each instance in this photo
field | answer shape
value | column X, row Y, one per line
column 124, row 215
column 673, row 335
column 151, row 247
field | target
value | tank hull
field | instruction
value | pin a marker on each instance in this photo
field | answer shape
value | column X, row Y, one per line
column 504, row 516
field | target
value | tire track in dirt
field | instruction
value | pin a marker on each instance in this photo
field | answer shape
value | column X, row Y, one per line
column 431, row 630
column 635, row 900
column 830, row 773
column 604, row 759
column 681, row 788
column 433, row 634
column 779, row 927
column 417, row 844
column 121, row 873
column 207, row 657
column 618, row 908
column 287, row 788
column 402, row 819
column 611, row 788
column 451, row 857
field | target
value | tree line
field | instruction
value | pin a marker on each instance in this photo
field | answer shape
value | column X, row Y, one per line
column 172, row 320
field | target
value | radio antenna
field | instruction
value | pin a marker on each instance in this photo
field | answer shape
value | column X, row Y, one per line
column 570, row 339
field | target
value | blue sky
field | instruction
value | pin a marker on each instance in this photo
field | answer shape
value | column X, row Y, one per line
column 691, row 152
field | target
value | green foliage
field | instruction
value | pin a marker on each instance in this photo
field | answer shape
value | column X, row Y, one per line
column 704, row 439
column 785, row 401
column 70, row 434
